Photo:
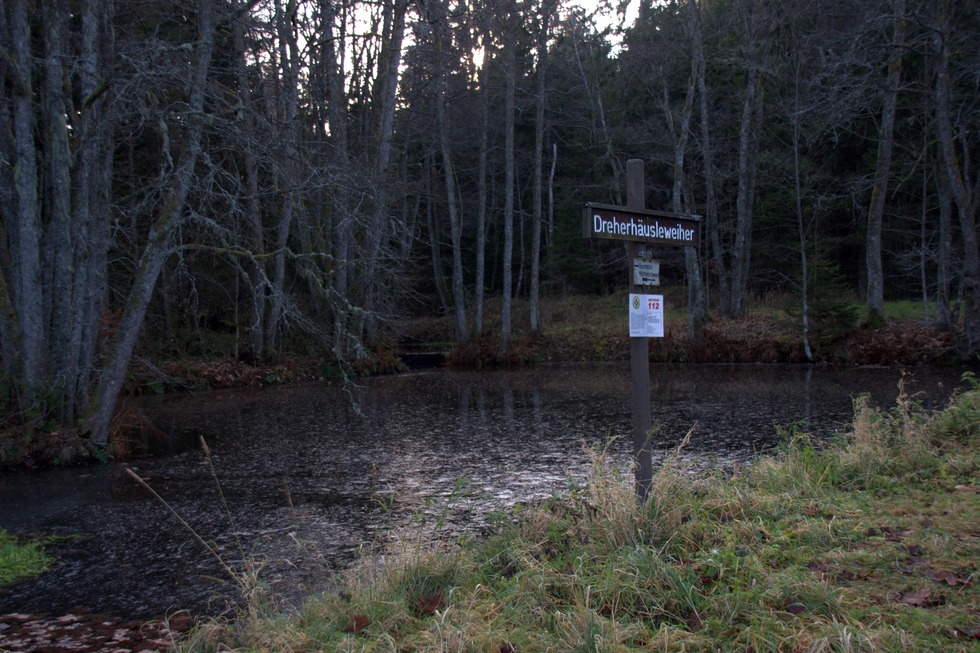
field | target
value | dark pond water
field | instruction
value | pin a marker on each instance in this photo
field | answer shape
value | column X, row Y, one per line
column 312, row 475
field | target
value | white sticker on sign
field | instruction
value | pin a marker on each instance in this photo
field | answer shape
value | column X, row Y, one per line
column 646, row 316
column 646, row 272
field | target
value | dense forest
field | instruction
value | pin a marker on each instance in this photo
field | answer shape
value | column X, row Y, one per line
column 310, row 171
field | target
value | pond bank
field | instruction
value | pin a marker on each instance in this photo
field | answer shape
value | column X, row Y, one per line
column 577, row 329
column 870, row 543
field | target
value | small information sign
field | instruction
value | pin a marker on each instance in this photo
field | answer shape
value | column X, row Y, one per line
column 646, row 316
column 646, row 272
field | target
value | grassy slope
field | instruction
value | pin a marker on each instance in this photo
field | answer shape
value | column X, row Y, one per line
column 866, row 544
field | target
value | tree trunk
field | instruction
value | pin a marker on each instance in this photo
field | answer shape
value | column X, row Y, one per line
column 510, row 73
column 258, row 282
column 438, row 279
column 717, row 258
column 748, row 144
column 92, row 185
column 481, row 217
column 439, row 27
column 25, row 237
column 342, row 222
column 875, row 300
column 538, row 174
column 287, row 175
column 57, row 243
column 801, row 228
column 385, row 92
column 959, row 188
column 697, row 310
column 945, row 200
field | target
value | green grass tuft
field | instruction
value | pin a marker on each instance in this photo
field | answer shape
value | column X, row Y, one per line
column 20, row 559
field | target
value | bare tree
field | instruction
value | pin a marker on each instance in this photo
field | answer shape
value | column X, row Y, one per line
column 440, row 27
column 159, row 239
column 886, row 138
column 546, row 10
column 748, row 148
column 711, row 228
column 962, row 191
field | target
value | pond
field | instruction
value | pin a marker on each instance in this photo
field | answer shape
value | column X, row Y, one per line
column 310, row 477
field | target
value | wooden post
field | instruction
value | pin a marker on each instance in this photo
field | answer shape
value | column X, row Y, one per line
column 639, row 351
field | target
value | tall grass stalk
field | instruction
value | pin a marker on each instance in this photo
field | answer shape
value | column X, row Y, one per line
column 224, row 502
column 235, row 576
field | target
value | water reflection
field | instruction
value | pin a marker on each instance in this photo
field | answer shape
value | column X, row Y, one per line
column 311, row 474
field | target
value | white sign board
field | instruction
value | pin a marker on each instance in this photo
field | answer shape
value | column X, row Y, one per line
column 646, row 316
column 646, row 272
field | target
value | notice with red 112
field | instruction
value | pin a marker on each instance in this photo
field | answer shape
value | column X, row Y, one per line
column 646, row 316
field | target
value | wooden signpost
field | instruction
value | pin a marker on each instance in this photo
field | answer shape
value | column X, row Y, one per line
column 641, row 228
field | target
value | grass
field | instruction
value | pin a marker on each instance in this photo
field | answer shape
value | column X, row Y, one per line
column 20, row 559
column 867, row 543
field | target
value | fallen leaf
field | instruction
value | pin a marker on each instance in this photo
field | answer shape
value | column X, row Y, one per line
column 973, row 632
column 358, row 622
column 947, row 577
column 894, row 534
column 428, row 603
column 693, row 621
column 820, row 566
column 921, row 598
